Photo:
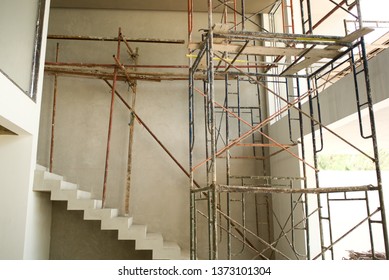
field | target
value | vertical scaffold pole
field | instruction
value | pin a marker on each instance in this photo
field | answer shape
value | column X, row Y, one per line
column 115, row 73
column 192, row 202
column 243, row 15
column 228, row 169
column 192, row 195
column 212, row 125
column 374, row 135
column 53, row 117
column 314, row 147
column 190, row 20
column 131, row 137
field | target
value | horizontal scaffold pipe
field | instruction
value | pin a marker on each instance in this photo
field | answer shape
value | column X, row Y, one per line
column 90, row 72
column 262, row 189
column 115, row 39
column 112, row 65
column 100, row 74
column 296, row 38
column 269, row 178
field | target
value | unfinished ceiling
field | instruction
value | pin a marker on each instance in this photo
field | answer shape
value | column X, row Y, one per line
column 252, row 6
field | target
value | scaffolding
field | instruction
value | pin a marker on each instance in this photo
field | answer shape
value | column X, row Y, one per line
column 251, row 69
column 112, row 74
column 254, row 77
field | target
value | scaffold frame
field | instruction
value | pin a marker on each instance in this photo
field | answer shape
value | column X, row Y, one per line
column 230, row 50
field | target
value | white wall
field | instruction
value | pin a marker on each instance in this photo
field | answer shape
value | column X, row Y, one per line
column 23, row 213
column 16, row 57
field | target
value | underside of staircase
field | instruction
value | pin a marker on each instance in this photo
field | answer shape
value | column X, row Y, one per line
column 76, row 199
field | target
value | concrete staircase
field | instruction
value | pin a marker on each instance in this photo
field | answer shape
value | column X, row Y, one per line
column 77, row 199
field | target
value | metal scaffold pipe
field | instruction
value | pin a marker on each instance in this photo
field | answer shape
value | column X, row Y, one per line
column 212, row 125
column 107, row 153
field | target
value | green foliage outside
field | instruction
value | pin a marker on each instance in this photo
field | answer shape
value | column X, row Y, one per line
column 346, row 162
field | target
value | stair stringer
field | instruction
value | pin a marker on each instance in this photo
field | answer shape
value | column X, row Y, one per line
column 61, row 190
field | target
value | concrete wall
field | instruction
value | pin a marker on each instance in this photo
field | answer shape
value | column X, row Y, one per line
column 24, row 215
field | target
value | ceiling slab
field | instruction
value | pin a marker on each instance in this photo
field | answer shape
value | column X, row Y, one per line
column 252, row 6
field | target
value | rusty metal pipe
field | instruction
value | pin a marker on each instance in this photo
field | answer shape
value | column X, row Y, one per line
column 328, row 15
column 110, row 125
column 131, row 51
column 107, row 65
column 130, row 144
column 52, row 142
column 129, row 80
column 102, row 65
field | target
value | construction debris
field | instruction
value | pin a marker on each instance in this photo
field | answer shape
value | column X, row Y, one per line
column 365, row 255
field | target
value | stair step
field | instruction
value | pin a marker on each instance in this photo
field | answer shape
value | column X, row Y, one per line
column 100, row 214
column 67, row 194
column 52, row 176
column 68, row 186
column 116, row 223
column 170, row 251
column 153, row 241
column 135, row 232
column 40, row 179
column 54, row 184
column 40, row 167
column 83, row 204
